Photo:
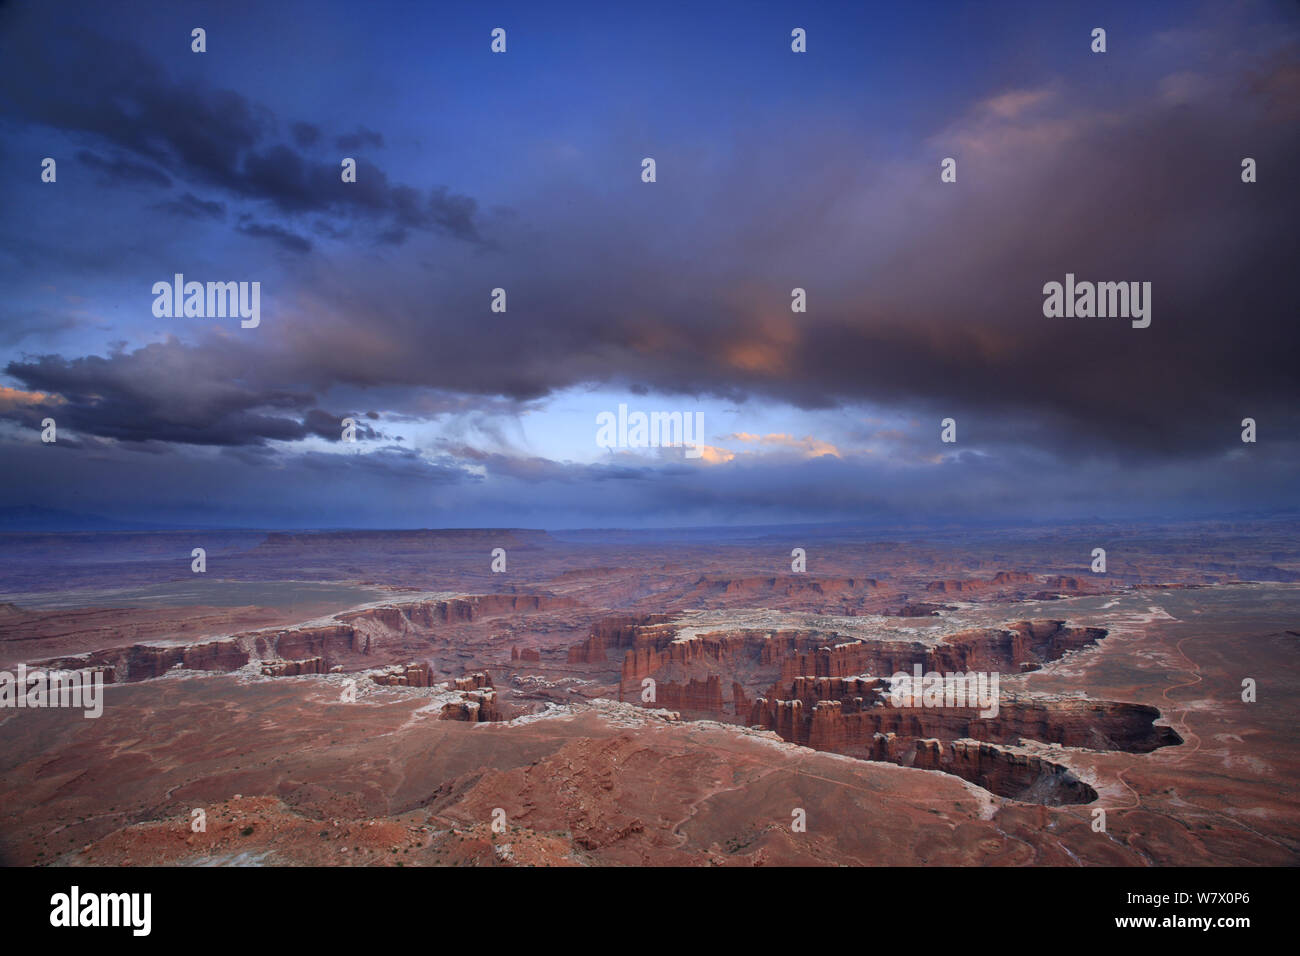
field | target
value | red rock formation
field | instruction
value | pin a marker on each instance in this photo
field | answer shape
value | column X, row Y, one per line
column 693, row 697
column 741, row 703
column 775, row 659
column 478, row 703
column 785, row 585
column 477, row 681
column 326, row 640
column 613, row 633
column 406, row 675
column 1061, row 582
column 281, row 668
column 991, row 649
column 78, row 663
column 1012, row 577
column 863, row 714
column 922, row 609
column 956, row 587
column 1014, row 775
column 143, row 661
column 478, row 699
column 429, row 614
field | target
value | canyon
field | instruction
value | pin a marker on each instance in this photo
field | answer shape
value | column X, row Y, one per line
column 649, row 701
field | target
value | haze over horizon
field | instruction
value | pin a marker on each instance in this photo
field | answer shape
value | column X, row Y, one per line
column 522, row 171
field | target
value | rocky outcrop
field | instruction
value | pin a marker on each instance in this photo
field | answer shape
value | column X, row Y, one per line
column 956, row 587
column 477, row 681
column 138, row 662
column 282, row 668
column 1007, row 650
column 475, row 697
column 475, row 707
column 406, row 675
column 862, row 713
column 1016, row 776
column 390, row 631
column 107, row 674
column 422, row 674
column 1012, row 577
column 768, row 662
column 784, row 585
column 616, row 633
column 1061, row 582
column 430, row 614
column 79, row 662
column 922, row 609
column 740, row 700
column 143, row 661
column 832, row 694
column 693, row 697
column 327, row 641
column 1003, row 580
column 478, row 701
column 654, row 651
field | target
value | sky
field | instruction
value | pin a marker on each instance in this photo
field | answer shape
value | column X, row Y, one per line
column 522, row 170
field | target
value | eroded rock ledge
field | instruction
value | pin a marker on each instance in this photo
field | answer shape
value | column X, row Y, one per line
column 825, row 691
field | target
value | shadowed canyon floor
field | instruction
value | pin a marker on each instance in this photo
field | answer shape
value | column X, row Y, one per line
column 380, row 698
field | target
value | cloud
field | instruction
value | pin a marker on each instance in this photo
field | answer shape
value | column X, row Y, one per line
column 806, row 447
column 931, row 301
column 189, row 206
column 16, row 324
column 305, row 134
column 281, row 236
column 393, row 487
column 123, row 99
column 924, row 297
column 165, row 392
column 1012, row 103
column 712, row 455
column 12, row 399
column 362, row 137
column 119, row 170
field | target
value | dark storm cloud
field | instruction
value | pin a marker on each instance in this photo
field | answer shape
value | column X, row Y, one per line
column 167, row 392
column 924, row 298
column 235, row 486
column 324, row 425
column 290, row 241
column 120, row 96
column 190, row 206
column 222, row 392
column 305, row 134
column 119, row 171
column 396, row 487
column 327, row 229
column 922, row 295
